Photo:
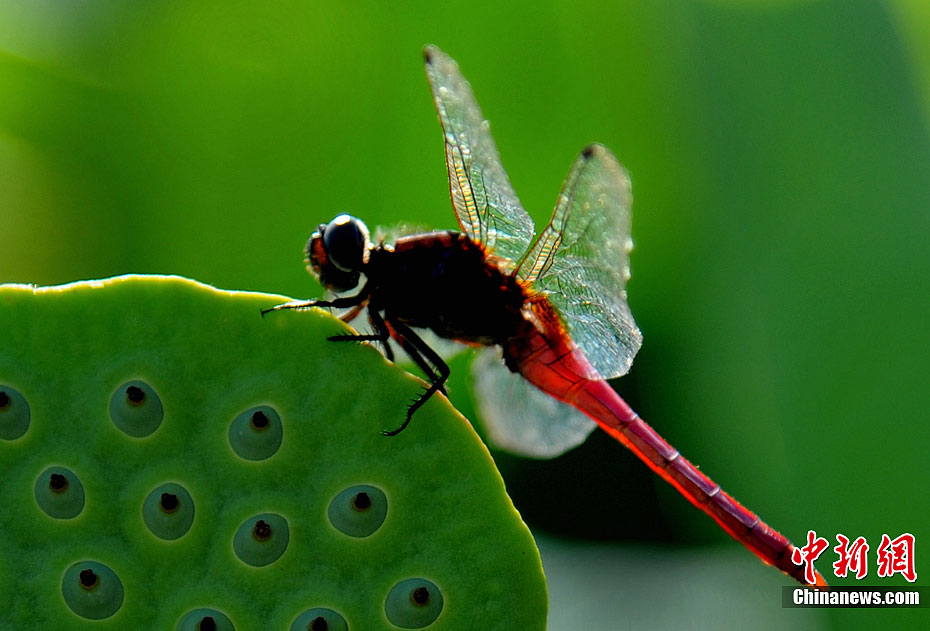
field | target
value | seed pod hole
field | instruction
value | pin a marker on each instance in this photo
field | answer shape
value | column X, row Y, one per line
column 256, row 433
column 14, row 413
column 89, row 580
column 261, row 540
column 59, row 493
column 320, row 619
column 169, row 502
column 358, row 511
column 92, row 590
column 259, row 421
column 361, row 502
column 136, row 409
column 413, row 603
column 168, row 511
column 261, row 530
column 57, row 483
column 205, row 619
column 135, row 396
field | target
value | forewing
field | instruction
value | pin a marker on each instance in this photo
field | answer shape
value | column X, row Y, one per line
column 581, row 261
column 519, row 418
column 486, row 207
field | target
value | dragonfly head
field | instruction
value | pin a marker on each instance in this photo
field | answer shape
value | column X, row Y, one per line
column 337, row 251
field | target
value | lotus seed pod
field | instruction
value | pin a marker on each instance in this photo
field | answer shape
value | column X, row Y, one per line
column 172, row 460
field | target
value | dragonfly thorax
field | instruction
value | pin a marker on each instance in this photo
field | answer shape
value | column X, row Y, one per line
column 337, row 251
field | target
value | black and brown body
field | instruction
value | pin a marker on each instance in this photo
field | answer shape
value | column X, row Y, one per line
column 445, row 282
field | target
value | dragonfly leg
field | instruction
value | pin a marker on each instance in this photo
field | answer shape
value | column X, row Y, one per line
column 339, row 303
column 431, row 373
column 381, row 334
column 378, row 322
column 425, row 357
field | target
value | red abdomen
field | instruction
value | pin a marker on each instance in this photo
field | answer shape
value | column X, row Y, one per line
column 552, row 363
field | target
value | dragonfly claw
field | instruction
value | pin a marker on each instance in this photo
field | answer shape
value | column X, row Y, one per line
column 395, row 432
column 296, row 306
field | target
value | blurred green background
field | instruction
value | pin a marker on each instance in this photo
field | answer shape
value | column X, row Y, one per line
column 780, row 158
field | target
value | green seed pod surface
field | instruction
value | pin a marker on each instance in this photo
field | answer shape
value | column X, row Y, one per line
column 427, row 505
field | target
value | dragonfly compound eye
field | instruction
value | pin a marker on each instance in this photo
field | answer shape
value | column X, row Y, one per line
column 346, row 241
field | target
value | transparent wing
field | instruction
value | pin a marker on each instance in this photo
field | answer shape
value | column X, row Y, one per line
column 486, row 207
column 519, row 418
column 580, row 261
column 390, row 234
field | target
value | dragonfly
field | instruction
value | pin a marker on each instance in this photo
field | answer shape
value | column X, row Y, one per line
column 554, row 305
